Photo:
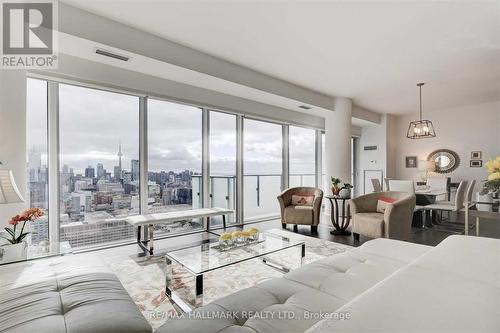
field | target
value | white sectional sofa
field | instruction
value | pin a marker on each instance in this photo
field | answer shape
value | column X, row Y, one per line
column 382, row 286
column 63, row 295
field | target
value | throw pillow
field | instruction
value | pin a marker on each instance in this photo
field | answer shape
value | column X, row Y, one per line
column 383, row 202
column 302, row 199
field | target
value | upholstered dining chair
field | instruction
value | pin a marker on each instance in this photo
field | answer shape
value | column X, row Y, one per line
column 301, row 205
column 438, row 183
column 407, row 186
column 383, row 215
column 450, row 206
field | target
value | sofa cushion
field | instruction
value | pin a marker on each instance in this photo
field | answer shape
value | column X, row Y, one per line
column 299, row 214
column 68, row 294
column 369, row 224
column 453, row 288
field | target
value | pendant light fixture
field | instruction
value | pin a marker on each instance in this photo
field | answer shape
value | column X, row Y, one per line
column 420, row 129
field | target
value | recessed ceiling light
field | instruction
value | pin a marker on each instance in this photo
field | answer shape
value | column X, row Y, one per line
column 111, row 55
column 305, row 107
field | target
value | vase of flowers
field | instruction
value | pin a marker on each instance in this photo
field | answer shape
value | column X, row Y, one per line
column 336, row 185
column 492, row 184
column 345, row 192
column 16, row 247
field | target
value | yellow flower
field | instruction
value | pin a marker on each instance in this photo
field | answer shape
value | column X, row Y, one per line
column 494, row 176
column 493, row 165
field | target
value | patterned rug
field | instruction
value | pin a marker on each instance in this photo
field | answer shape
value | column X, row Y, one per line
column 144, row 278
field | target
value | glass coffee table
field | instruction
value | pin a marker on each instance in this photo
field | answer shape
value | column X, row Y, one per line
column 201, row 259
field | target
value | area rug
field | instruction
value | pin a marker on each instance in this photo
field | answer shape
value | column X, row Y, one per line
column 144, row 278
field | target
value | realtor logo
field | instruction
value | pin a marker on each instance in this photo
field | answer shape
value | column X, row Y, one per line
column 28, row 34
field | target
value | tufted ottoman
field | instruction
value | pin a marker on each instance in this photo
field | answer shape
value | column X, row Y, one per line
column 297, row 301
column 59, row 296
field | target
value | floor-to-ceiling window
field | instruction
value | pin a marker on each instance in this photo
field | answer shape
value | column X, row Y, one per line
column 99, row 162
column 92, row 162
column 302, row 156
column 175, row 160
column 37, row 149
column 222, row 180
column 262, row 169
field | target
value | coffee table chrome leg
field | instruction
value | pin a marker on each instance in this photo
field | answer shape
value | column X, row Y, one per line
column 302, row 253
column 272, row 263
column 176, row 300
column 198, row 300
column 169, row 277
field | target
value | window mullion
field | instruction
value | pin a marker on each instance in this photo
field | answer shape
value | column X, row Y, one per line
column 53, row 159
column 285, row 174
column 205, row 159
column 143, row 155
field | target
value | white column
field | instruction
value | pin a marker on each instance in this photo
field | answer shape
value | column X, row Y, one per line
column 338, row 143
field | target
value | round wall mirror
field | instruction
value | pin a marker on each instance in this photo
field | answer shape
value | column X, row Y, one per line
column 445, row 160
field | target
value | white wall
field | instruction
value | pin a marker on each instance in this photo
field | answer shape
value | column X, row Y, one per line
column 382, row 136
column 462, row 129
column 13, row 134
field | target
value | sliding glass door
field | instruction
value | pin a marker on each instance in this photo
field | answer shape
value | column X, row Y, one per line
column 302, row 156
column 222, row 179
column 262, row 169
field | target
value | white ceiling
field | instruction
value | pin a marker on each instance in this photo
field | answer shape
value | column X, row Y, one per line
column 374, row 52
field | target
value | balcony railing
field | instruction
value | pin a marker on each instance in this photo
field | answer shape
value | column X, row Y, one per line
column 259, row 192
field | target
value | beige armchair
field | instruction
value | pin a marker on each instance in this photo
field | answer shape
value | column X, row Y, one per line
column 307, row 214
column 394, row 223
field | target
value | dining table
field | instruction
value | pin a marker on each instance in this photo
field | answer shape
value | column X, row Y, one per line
column 424, row 197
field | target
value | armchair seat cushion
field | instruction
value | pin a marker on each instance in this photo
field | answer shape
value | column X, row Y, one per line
column 299, row 214
column 369, row 224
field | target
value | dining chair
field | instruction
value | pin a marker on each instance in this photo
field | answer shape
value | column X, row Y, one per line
column 407, row 186
column 386, row 181
column 470, row 191
column 377, row 187
column 438, row 183
column 450, row 206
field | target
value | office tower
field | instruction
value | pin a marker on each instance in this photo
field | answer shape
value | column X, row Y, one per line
column 100, row 171
column 135, row 169
column 90, row 172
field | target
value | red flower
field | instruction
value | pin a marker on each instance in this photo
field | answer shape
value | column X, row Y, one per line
column 28, row 215
column 15, row 220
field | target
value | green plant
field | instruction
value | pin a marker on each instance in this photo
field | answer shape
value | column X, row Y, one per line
column 347, row 186
column 336, row 181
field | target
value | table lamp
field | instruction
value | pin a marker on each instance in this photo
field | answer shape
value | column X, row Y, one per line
column 9, row 193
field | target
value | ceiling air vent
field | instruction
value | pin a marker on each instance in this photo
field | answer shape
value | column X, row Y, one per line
column 305, row 107
column 111, row 55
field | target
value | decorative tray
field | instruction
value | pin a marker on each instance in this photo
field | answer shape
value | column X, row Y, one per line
column 217, row 246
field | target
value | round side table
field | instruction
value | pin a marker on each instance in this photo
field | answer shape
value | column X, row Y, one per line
column 340, row 219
